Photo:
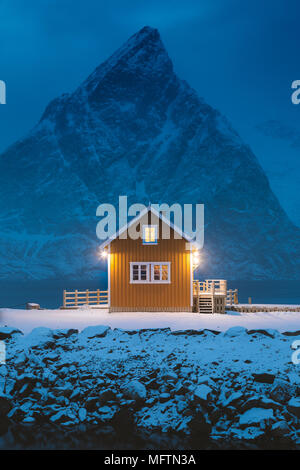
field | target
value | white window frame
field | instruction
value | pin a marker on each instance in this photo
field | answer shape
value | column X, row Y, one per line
column 139, row 264
column 150, row 272
column 160, row 263
column 156, row 233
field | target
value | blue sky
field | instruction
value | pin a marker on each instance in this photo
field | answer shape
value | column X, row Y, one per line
column 240, row 56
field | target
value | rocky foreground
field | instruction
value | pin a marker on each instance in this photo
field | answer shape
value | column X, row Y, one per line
column 235, row 389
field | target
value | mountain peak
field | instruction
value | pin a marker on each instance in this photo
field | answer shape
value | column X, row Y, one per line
column 143, row 54
column 147, row 32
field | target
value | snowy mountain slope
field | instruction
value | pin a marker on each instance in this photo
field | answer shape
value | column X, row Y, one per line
column 133, row 127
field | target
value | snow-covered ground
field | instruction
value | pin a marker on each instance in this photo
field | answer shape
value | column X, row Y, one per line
column 234, row 388
column 26, row 320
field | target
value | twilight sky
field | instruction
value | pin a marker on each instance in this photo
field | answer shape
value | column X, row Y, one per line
column 240, row 56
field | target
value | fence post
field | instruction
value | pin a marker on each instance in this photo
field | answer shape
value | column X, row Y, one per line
column 87, row 296
column 76, row 298
column 235, row 297
column 64, row 299
column 98, row 296
column 230, row 296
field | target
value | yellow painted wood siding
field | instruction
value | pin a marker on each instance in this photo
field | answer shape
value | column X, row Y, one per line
column 175, row 295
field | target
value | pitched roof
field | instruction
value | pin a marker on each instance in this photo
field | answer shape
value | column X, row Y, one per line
column 139, row 216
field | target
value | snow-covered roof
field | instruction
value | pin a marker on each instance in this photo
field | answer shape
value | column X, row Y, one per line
column 193, row 243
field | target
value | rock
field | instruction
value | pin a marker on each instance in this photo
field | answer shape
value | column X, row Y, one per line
column 251, row 434
column 91, row 403
column 63, row 416
column 135, row 390
column 152, row 331
column 235, row 331
column 294, row 406
column 5, row 404
column 260, row 402
column 29, row 420
column 163, row 397
column 50, row 356
column 75, row 394
column 169, row 376
column 205, row 379
column 25, row 383
column 187, row 332
column 64, row 333
column 32, row 306
column 106, row 395
column 265, row 378
column 209, row 332
column 181, row 389
column 282, row 390
column 280, row 429
column 49, row 377
column 266, row 332
column 40, row 337
column 82, row 413
column 7, row 332
column 3, row 370
column 256, row 417
column 107, row 413
column 291, row 333
column 65, row 390
column 20, row 359
column 202, row 393
column 153, row 384
column 232, row 399
column 95, row 332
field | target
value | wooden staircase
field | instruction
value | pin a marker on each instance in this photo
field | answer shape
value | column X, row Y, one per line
column 205, row 304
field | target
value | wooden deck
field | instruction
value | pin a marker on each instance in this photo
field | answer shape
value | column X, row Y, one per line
column 212, row 296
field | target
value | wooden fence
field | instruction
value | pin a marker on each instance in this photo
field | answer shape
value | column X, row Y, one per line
column 232, row 297
column 210, row 286
column 77, row 298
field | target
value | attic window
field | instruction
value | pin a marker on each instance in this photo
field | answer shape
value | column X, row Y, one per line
column 149, row 234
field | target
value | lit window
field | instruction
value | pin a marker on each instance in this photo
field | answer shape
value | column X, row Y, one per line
column 160, row 272
column 149, row 234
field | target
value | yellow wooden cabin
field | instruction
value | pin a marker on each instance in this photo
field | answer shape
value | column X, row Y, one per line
column 155, row 273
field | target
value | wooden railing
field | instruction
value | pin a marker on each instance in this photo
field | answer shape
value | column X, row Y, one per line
column 210, row 286
column 87, row 297
column 232, row 297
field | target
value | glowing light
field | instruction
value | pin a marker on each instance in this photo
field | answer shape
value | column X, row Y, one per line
column 103, row 254
column 196, row 258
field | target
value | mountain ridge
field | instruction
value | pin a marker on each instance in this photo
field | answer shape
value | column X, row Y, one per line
column 133, row 127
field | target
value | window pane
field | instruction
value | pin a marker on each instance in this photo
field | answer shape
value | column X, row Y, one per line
column 164, row 272
column 143, row 272
column 157, row 272
column 152, row 234
column 135, row 272
column 149, row 234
